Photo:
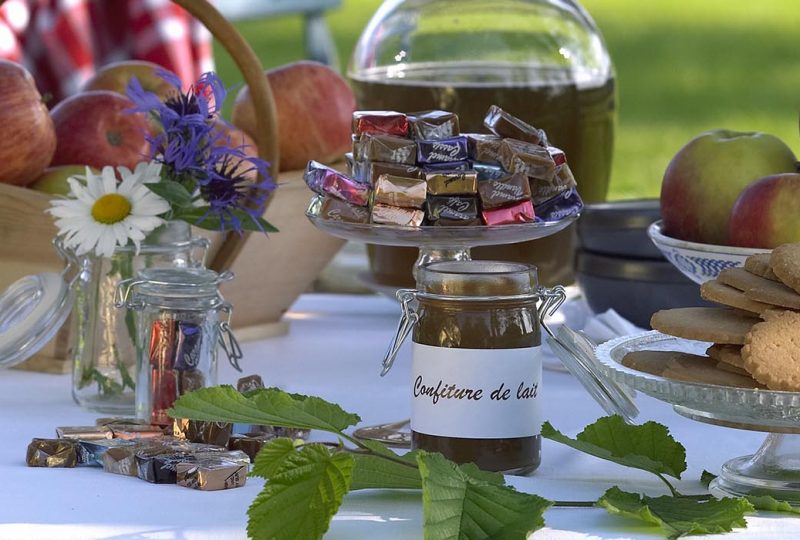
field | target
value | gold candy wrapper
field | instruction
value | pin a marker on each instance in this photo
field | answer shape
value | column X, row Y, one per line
column 393, row 215
column 398, row 191
column 52, row 453
column 210, row 475
column 85, row 433
column 452, row 183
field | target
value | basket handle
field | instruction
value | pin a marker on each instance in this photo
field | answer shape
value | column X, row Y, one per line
column 264, row 105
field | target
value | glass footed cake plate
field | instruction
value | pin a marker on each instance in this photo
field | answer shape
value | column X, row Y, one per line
column 436, row 243
column 775, row 468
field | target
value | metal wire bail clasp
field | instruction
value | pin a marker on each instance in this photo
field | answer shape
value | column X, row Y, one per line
column 227, row 340
column 551, row 298
column 123, row 291
column 407, row 321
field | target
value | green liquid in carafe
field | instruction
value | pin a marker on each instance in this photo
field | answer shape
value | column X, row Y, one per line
column 578, row 118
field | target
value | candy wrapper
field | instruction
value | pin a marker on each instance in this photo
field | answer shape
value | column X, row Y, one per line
column 197, row 431
column 509, row 126
column 52, row 453
column 340, row 186
column 393, row 215
column 484, row 148
column 447, row 166
column 86, row 433
column 190, row 341
column 136, row 431
column 385, row 148
column 337, row 210
column 380, row 122
column 375, row 170
column 452, row 211
column 505, row 191
column 561, row 181
column 431, row 125
column 210, row 475
column 517, row 213
column 190, row 380
column 91, row 452
column 452, row 183
column 314, row 175
column 487, row 171
column 528, row 159
column 563, row 205
column 442, row 151
column 558, row 155
column 399, row 191
column 161, row 468
column 250, row 444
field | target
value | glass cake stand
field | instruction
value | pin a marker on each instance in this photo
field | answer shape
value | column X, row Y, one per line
column 437, row 243
column 775, row 468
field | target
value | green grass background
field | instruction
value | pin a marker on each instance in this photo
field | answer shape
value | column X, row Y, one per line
column 683, row 67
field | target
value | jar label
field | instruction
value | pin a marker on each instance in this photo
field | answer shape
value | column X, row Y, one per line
column 476, row 393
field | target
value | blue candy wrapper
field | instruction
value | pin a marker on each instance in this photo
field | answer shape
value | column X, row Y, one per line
column 566, row 204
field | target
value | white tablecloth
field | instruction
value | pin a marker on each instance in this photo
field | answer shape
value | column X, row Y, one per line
column 333, row 350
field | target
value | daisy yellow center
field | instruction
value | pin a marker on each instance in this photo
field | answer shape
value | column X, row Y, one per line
column 111, row 208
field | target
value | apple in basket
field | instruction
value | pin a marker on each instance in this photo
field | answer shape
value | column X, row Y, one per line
column 117, row 75
column 314, row 105
column 706, row 176
column 30, row 137
column 54, row 179
column 767, row 213
column 94, row 128
column 236, row 138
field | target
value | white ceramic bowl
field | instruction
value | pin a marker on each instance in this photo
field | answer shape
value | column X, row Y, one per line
column 699, row 262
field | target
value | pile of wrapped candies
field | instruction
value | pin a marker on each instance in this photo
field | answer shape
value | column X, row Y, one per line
column 200, row 455
column 417, row 169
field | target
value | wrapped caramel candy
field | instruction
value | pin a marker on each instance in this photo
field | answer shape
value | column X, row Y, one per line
column 447, row 166
column 484, row 148
column 399, row 191
column 432, row 125
column 528, row 159
column 52, row 453
column 521, row 212
column 86, row 433
column 442, row 150
column 380, row 122
column 347, row 189
column 250, row 443
column 451, row 211
column 561, row 181
column 386, row 148
column 509, row 126
column 505, row 191
column 338, row 210
column 393, row 215
column 487, row 171
column 210, row 475
column 565, row 204
column 249, row 383
column 197, row 431
column 452, row 183
column 375, row 170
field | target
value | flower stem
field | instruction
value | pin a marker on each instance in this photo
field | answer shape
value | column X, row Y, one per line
column 574, row 504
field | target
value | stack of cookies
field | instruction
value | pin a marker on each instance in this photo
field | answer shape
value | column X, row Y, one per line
column 755, row 331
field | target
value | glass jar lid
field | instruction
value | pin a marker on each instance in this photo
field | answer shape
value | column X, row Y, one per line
column 164, row 286
column 32, row 310
column 477, row 279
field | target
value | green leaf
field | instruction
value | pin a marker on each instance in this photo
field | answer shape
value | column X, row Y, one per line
column 200, row 217
column 270, row 407
column 302, row 496
column 373, row 472
column 457, row 505
column 272, row 457
column 678, row 516
column 771, row 504
column 706, row 478
column 649, row 446
column 173, row 192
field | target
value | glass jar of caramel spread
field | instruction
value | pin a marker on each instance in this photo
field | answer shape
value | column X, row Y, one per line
column 476, row 367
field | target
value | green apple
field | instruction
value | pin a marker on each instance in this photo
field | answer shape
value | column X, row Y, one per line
column 767, row 213
column 706, row 176
column 117, row 75
column 54, row 179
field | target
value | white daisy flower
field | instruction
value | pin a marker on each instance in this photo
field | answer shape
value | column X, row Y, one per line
column 103, row 215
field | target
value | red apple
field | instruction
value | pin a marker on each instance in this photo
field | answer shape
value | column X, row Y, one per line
column 29, row 138
column 704, row 178
column 95, row 128
column 116, row 76
column 315, row 111
column 767, row 213
column 54, row 179
column 236, row 138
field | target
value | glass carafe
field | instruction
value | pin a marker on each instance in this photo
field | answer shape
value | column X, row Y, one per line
column 542, row 60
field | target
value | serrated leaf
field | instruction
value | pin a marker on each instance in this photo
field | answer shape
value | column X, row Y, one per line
column 271, row 407
column 648, row 446
column 173, row 192
column 706, row 478
column 272, row 457
column 771, row 504
column 457, row 505
column 302, row 497
column 202, row 218
column 374, row 472
column 678, row 516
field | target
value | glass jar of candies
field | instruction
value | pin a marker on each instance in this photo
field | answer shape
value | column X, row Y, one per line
column 178, row 330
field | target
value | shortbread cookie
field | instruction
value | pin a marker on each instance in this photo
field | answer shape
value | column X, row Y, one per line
column 685, row 367
column 772, row 352
column 785, row 262
column 718, row 292
column 758, row 264
column 728, row 354
column 760, row 289
column 719, row 325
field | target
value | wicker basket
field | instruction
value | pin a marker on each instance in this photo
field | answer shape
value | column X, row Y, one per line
column 271, row 271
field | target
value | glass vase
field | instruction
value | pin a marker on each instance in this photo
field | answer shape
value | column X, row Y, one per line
column 103, row 337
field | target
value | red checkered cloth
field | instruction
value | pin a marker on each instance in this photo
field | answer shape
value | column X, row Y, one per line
column 63, row 42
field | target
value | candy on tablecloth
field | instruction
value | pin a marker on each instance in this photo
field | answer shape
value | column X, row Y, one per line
column 86, row 433
column 521, row 212
column 442, row 150
column 398, row 191
column 504, row 191
column 380, row 122
column 52, row 453
column 430, row 125
column 210, row 475
column 199, row 431
column 506, row 125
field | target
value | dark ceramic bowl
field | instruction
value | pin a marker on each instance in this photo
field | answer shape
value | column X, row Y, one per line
column 634, row 288
column 619, row 228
